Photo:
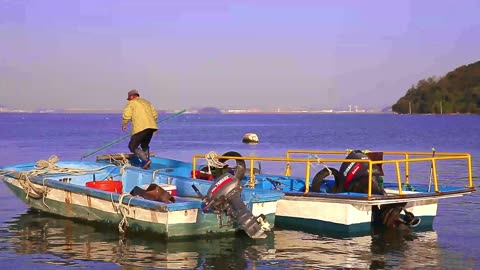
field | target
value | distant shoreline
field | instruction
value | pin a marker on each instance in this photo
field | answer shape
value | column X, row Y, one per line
column 233, row 113
column 194, row 111
column 223, row 113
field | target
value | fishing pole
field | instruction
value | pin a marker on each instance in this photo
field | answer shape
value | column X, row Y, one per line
column 128, row 135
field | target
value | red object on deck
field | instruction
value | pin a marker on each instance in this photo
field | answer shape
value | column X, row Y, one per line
column 172, row 189
column 202, row 175
column 107, row 185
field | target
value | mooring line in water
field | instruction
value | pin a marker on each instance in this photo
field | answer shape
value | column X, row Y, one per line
column 128, row 135
column 124, row 211
column 45, row 193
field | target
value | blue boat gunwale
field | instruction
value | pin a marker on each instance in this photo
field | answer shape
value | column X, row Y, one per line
column 249, row 195
column 365, row 197
column 182, row 203
column 420, row 190
column 167, row 167
column 266, row 195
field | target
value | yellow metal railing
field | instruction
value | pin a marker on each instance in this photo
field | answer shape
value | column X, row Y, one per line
column 253, row 159
column 423, row 157
column 451, row 155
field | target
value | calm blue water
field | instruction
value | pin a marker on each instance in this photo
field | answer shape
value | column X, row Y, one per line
column 31, row 240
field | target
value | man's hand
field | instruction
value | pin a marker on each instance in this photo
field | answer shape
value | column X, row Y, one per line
column 124, row 127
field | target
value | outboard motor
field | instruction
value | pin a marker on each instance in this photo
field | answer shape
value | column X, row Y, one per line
column 355, row 175
column 224, row 197
column 354, row 170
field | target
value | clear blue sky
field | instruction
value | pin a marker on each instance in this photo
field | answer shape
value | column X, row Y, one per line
column 230, row 54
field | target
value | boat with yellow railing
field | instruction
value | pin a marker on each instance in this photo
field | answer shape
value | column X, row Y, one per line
column 349, row 191
column 341, row 191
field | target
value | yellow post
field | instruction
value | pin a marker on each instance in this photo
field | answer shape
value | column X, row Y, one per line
column 407, row 169
column 469, row 162
column 434, row 172
column 287, row 168
column 251, row 182
column 307, row 178
column 399, row 181
column 194, row 165
column 370, row 172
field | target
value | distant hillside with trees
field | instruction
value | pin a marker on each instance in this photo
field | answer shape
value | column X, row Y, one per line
column 209, row 110
column 456, row 92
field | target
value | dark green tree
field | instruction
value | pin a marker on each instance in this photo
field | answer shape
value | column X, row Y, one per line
column 456, row 92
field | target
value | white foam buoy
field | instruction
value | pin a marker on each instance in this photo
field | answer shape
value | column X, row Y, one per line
column 250, row 138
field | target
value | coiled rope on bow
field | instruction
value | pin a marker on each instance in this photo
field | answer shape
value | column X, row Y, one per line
column 30, row 190
column 213, row 161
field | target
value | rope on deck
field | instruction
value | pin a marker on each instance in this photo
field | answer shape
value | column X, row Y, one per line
column 123, row 161
column 43, row 167
column 49, row 167
column 319, row 161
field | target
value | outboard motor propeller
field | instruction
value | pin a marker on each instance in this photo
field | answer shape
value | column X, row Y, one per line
column 224, row 197
column 410, row 219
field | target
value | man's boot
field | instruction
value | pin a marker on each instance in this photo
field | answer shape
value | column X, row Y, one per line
column 147, row 154
column 143, row 156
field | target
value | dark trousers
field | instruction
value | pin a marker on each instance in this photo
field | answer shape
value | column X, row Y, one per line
column 141, row 139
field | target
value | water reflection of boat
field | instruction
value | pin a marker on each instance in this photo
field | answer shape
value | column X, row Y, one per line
column 41, row 233
column 381, row 250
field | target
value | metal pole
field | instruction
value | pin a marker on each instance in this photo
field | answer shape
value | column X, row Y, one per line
column 128, row 135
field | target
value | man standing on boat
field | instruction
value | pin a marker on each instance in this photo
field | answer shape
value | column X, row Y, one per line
column 144, row 123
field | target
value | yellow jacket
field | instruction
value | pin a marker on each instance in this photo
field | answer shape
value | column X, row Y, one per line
column 142, row 114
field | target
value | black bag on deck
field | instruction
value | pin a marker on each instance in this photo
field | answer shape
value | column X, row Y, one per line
column 153, row 192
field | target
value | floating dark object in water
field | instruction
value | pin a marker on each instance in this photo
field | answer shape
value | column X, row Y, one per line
column 250, row 138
